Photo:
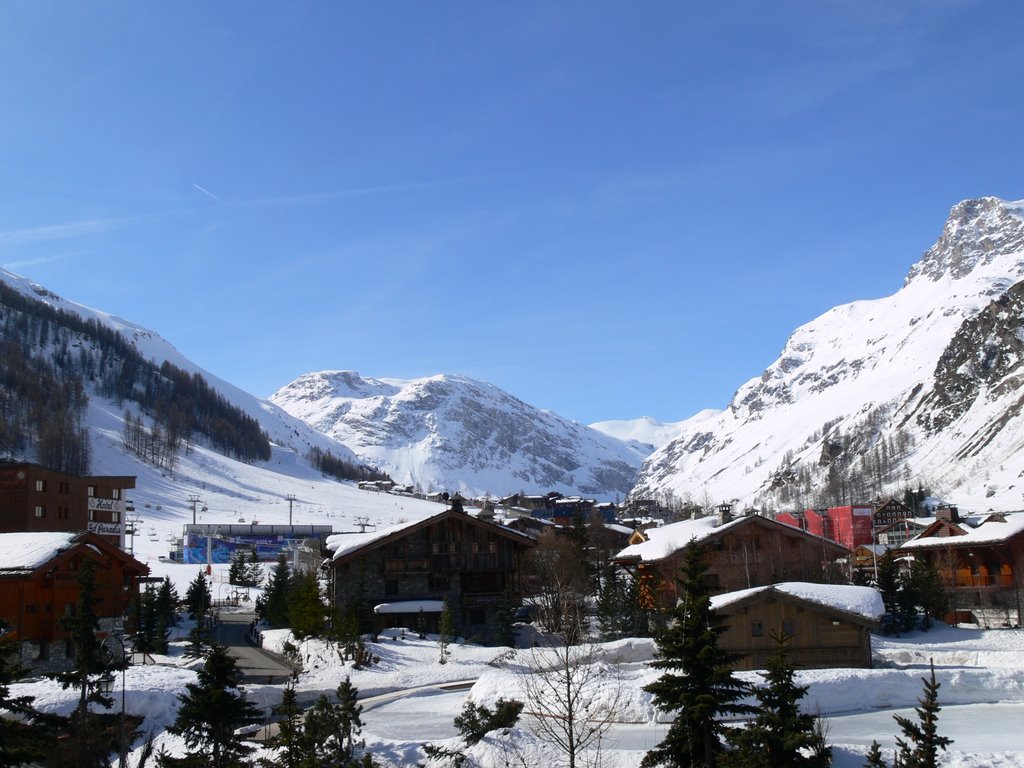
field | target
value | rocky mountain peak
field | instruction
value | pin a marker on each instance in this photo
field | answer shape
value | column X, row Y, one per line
column 976, row 233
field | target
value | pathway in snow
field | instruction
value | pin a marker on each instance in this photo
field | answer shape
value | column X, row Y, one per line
column 256, row 665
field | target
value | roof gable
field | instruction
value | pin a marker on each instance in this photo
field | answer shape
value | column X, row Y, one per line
column 861, row 605
column 348, row 545
column 668, row 539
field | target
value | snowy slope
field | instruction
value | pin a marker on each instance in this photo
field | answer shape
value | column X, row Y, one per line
column 456, row 433
column 282, row 429
column 647, row 434
column 871, row 370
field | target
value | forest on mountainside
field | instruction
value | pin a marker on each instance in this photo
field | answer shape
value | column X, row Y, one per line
column 49, row 359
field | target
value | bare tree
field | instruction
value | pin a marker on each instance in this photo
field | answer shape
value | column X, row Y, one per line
column 573, row 699
column 557, row 583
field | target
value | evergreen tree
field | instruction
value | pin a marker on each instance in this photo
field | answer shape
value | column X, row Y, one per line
column 167, row 603
column 889, row 587
column 780, row 734
column 273, row 603
column 198, row 598
column 212, row 709
column 446, row 631
column 88, row 745
column 307, row 614
column 331, row 729
column 236, row 571
column 927, row 586
column 289, row 731
column 151, row 634
column 699, row 687
column 23, row 739
column 920, row 749
column 253, row 570
column 874, row 757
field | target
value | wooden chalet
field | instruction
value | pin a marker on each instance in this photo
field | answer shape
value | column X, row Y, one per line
column 981, row 562
column 39, row 585
column 742, row 552
column 827, row 625
column 405, row 572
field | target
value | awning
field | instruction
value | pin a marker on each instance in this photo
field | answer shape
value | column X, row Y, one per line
column 410, row 606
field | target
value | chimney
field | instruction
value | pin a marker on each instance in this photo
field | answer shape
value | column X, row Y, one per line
column 948, row 513
column 724, row 513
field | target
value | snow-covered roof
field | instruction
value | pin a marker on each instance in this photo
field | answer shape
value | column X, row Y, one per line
column 662, row 542
column 991, row 532
column 28, row 551
column 342, row 544
column 410, row 606
column 859, row 601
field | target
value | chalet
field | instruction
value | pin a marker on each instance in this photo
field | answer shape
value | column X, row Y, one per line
column 35, row 498
column 743, row 552
column 982, row 565
column 38, row 585
column 404, row 572
column 828, row 625
column 891, row 512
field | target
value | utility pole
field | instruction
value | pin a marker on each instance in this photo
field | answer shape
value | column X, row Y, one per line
column 291, row 500
column 193, row 500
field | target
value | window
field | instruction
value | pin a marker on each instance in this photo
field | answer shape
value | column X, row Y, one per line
column 440, row 583
column 756, row 629
column 40, row 485
column 116, row 493
column 788, row 627
column 91, row 491
column 92, row 514
column 115, row 517
column 40, row 511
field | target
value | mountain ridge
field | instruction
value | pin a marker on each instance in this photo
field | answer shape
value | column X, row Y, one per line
column 850, row 382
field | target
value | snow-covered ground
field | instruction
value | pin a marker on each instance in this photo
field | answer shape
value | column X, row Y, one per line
column 981, row 672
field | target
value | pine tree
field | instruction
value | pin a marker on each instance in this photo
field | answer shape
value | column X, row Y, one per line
column 22, row 738
column 932, row 598
column 273, row 605
column 446, row 631
column 88, row 745
column 198, row 598
column 212, row 709
column 780, row 734
column 331, row 729
column 700, row 687
column 922, row 744
column 151, row 634
column 889, row 587
column 874, row 757
column 307, row 614
column 289, row 731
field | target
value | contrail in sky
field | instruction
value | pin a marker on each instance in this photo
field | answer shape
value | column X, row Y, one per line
column 207, row 192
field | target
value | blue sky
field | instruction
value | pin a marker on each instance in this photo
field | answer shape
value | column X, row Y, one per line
column 608, row 209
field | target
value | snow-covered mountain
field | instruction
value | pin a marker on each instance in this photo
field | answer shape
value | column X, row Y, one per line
column 923, row 386
column 452, row 432
column 285, row 431
column 647, row 434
